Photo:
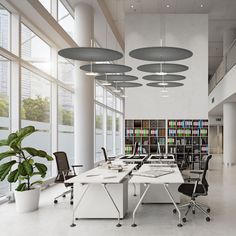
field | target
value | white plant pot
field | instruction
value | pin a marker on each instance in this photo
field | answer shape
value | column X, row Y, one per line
column 27, row 201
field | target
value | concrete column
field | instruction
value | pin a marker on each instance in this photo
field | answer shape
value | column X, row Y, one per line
column 229, row 110
column 84, row 91
column 229, row 36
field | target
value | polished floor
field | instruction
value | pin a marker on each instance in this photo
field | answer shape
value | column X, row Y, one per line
column 152, row 219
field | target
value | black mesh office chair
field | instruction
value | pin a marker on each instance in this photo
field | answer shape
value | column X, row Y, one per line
column 63, row 173
column 194, row 190
column 135, row 148
column 105, row 154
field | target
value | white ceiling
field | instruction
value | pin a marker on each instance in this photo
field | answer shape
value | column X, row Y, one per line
column 222, row 15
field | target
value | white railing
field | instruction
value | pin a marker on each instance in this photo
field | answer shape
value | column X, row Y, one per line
column 229, row 60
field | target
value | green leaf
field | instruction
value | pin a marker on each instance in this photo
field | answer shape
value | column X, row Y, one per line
column 37, row 182
column 31, row 151
column 42, row 169
column 7, row 154
column 31, row 161
column 28, row 167
column 5, row 169
column 24, row 132
column 49, row 158
column 13, row 176
column 3, row 142
column 21, row 187
column 42, row 153
column 11, row 137
column 22, row 170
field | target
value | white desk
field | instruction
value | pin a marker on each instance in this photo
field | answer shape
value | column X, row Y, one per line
column 173, row 178
column 134, row 159
column 161, row 158
column 97, row 180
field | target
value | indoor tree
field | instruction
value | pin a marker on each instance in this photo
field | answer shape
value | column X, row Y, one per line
column 22, row 166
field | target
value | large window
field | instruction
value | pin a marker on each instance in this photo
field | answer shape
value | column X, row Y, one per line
column 99, row 126
column 66, row 71
column 65, row 19
column 108, row 122
column 118, row 133
column 35, row 110
column 109, row 137
column 35, row 50
column 4, row 110
column 4, row 28
column 66, row 123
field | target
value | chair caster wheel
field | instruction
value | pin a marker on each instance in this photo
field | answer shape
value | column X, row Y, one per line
column 179, row 225
column 55, row 201
column 64, row 196
column 118, row 225
column 135, row 195
column 208, row 219
column 73, row 225
column 184, row 220
column 174, row 211
column 133, row 225
column 193, row 211
column 76, row 218
column 208, row 210
column 71, row 202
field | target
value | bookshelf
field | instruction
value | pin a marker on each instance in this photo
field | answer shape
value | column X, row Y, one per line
column 147, row 133
column 188, row 138
column 182, row 138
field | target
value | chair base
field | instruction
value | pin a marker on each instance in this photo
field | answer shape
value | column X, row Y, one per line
column 196, row 205
column 64, row 195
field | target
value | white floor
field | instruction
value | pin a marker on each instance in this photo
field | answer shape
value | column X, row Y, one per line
column 152, row 219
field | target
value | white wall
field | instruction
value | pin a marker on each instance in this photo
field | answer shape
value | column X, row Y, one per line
column 224, row 89
column 187, row 31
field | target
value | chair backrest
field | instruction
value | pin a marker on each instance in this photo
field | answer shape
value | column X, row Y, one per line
column 62, row 162
column 204, row 180
column 135, row 148
column 105, row 154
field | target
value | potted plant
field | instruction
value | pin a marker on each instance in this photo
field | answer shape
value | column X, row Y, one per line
column 22, row 168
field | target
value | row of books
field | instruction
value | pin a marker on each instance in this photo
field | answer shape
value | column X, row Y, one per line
column 145, row 132
column 187, row 123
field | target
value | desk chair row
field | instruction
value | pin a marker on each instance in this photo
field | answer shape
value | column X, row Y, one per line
column 193, row 190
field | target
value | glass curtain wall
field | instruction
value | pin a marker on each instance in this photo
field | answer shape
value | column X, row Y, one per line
column 108, row 123
column 35, row 111
column 4, row 110
column 66, row 123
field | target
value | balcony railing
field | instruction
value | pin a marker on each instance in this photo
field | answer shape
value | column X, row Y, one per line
column 229, row 60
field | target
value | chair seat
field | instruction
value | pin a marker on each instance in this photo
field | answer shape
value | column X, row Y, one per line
column 187, row 189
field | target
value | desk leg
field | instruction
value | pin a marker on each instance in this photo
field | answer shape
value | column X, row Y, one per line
column 140, row 201
column 109, row 195
column 176, row 207
column 76, row 207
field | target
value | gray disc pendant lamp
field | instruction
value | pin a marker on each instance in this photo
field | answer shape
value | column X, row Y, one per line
column 90, row 54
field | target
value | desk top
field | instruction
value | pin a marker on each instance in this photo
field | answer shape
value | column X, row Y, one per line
column 135, row 158
column 175, row 177
column 161, row 158
column 102, row 174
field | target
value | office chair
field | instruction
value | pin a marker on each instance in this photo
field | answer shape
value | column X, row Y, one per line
column 194, row 190
column 135, row 148
column 105, row 154
column 64, row 173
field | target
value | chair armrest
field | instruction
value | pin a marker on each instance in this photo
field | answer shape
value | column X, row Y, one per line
column 73, row 167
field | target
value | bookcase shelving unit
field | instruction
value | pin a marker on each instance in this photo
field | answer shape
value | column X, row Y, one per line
column 147, row 133
column 188, row 139
column 182, row 138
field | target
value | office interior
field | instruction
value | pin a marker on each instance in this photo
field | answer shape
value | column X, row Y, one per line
column 117, row 117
